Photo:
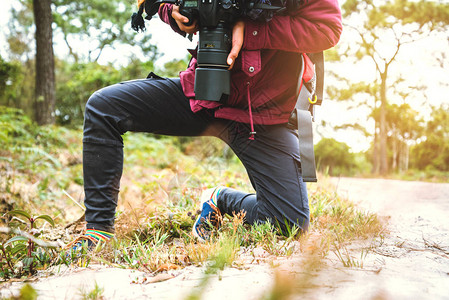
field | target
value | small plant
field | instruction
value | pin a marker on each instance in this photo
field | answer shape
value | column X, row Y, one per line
column 95, row 294
column 27, row 292
column 24, row 253
column 346, row 259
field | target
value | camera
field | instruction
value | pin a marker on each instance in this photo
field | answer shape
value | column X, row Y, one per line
column 215, row 20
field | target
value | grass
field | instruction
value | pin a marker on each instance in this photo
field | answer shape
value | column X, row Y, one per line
column 163, row 178
column 163, row 238
column 95, row 294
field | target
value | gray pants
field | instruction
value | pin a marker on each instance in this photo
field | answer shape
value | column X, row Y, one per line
column 158, row 105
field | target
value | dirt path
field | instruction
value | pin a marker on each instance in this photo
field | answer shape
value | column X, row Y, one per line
column 412, row 262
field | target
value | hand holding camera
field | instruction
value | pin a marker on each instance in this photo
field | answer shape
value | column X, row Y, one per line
column 184, row 23
column 221, row 34
column 238, row 34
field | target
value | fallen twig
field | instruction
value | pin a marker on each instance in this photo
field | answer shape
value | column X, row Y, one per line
column 434, row 245
column 71, row 198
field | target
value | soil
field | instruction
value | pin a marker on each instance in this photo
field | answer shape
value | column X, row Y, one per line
column 411, row 261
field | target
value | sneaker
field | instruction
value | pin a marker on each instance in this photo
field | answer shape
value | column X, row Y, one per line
column 89, row 240
column 210, row 216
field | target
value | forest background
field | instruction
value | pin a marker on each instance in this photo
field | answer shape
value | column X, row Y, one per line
column 386, row 110
column 386, row 114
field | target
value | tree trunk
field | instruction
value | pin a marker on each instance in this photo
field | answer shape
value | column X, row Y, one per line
column 405, row 156
column 383, row 168
column 44, row 101
column 394, row 148
column 375, row 169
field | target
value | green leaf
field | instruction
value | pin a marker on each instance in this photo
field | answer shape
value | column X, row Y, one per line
column 27, row 261
column 46, row 218
column 16, row 239
column 18, row 248
column 20, row 213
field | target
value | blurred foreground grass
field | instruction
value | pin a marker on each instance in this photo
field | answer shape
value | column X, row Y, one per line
column 41, row 173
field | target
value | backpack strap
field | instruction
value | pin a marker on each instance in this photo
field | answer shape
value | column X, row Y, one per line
column 310, row 93
column 318, row 60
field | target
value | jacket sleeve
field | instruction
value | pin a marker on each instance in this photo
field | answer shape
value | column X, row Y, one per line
column 315, row 27
column 165, row 15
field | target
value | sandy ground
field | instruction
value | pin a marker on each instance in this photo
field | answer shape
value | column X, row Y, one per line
column 411, row 262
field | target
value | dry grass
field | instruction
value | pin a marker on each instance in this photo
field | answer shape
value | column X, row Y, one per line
column 150, row 242
column 158, row 205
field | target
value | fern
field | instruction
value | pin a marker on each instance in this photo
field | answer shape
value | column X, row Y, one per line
column 39, row 152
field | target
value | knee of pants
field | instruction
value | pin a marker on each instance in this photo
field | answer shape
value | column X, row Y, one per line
column 103, row 120
column 96, row 104
column 95, row 112
column 103, row 109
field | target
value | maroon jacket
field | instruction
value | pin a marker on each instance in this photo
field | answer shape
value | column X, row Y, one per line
column 265, row 75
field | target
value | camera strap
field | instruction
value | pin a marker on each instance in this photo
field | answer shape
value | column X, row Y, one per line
column 303, row 114
column 137, row 22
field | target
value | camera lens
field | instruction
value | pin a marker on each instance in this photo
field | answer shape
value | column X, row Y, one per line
column 212, row 77
column 213, row 47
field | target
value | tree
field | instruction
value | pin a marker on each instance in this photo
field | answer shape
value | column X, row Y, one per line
column 334, row 157
column 173, row 67
column 9, row 75
column 378, row 24
column 45, row 63
column 404, row 127
column 433, row 150
column 86, row 27
column 80, row 81
column 97, row 25
column 20, row 38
